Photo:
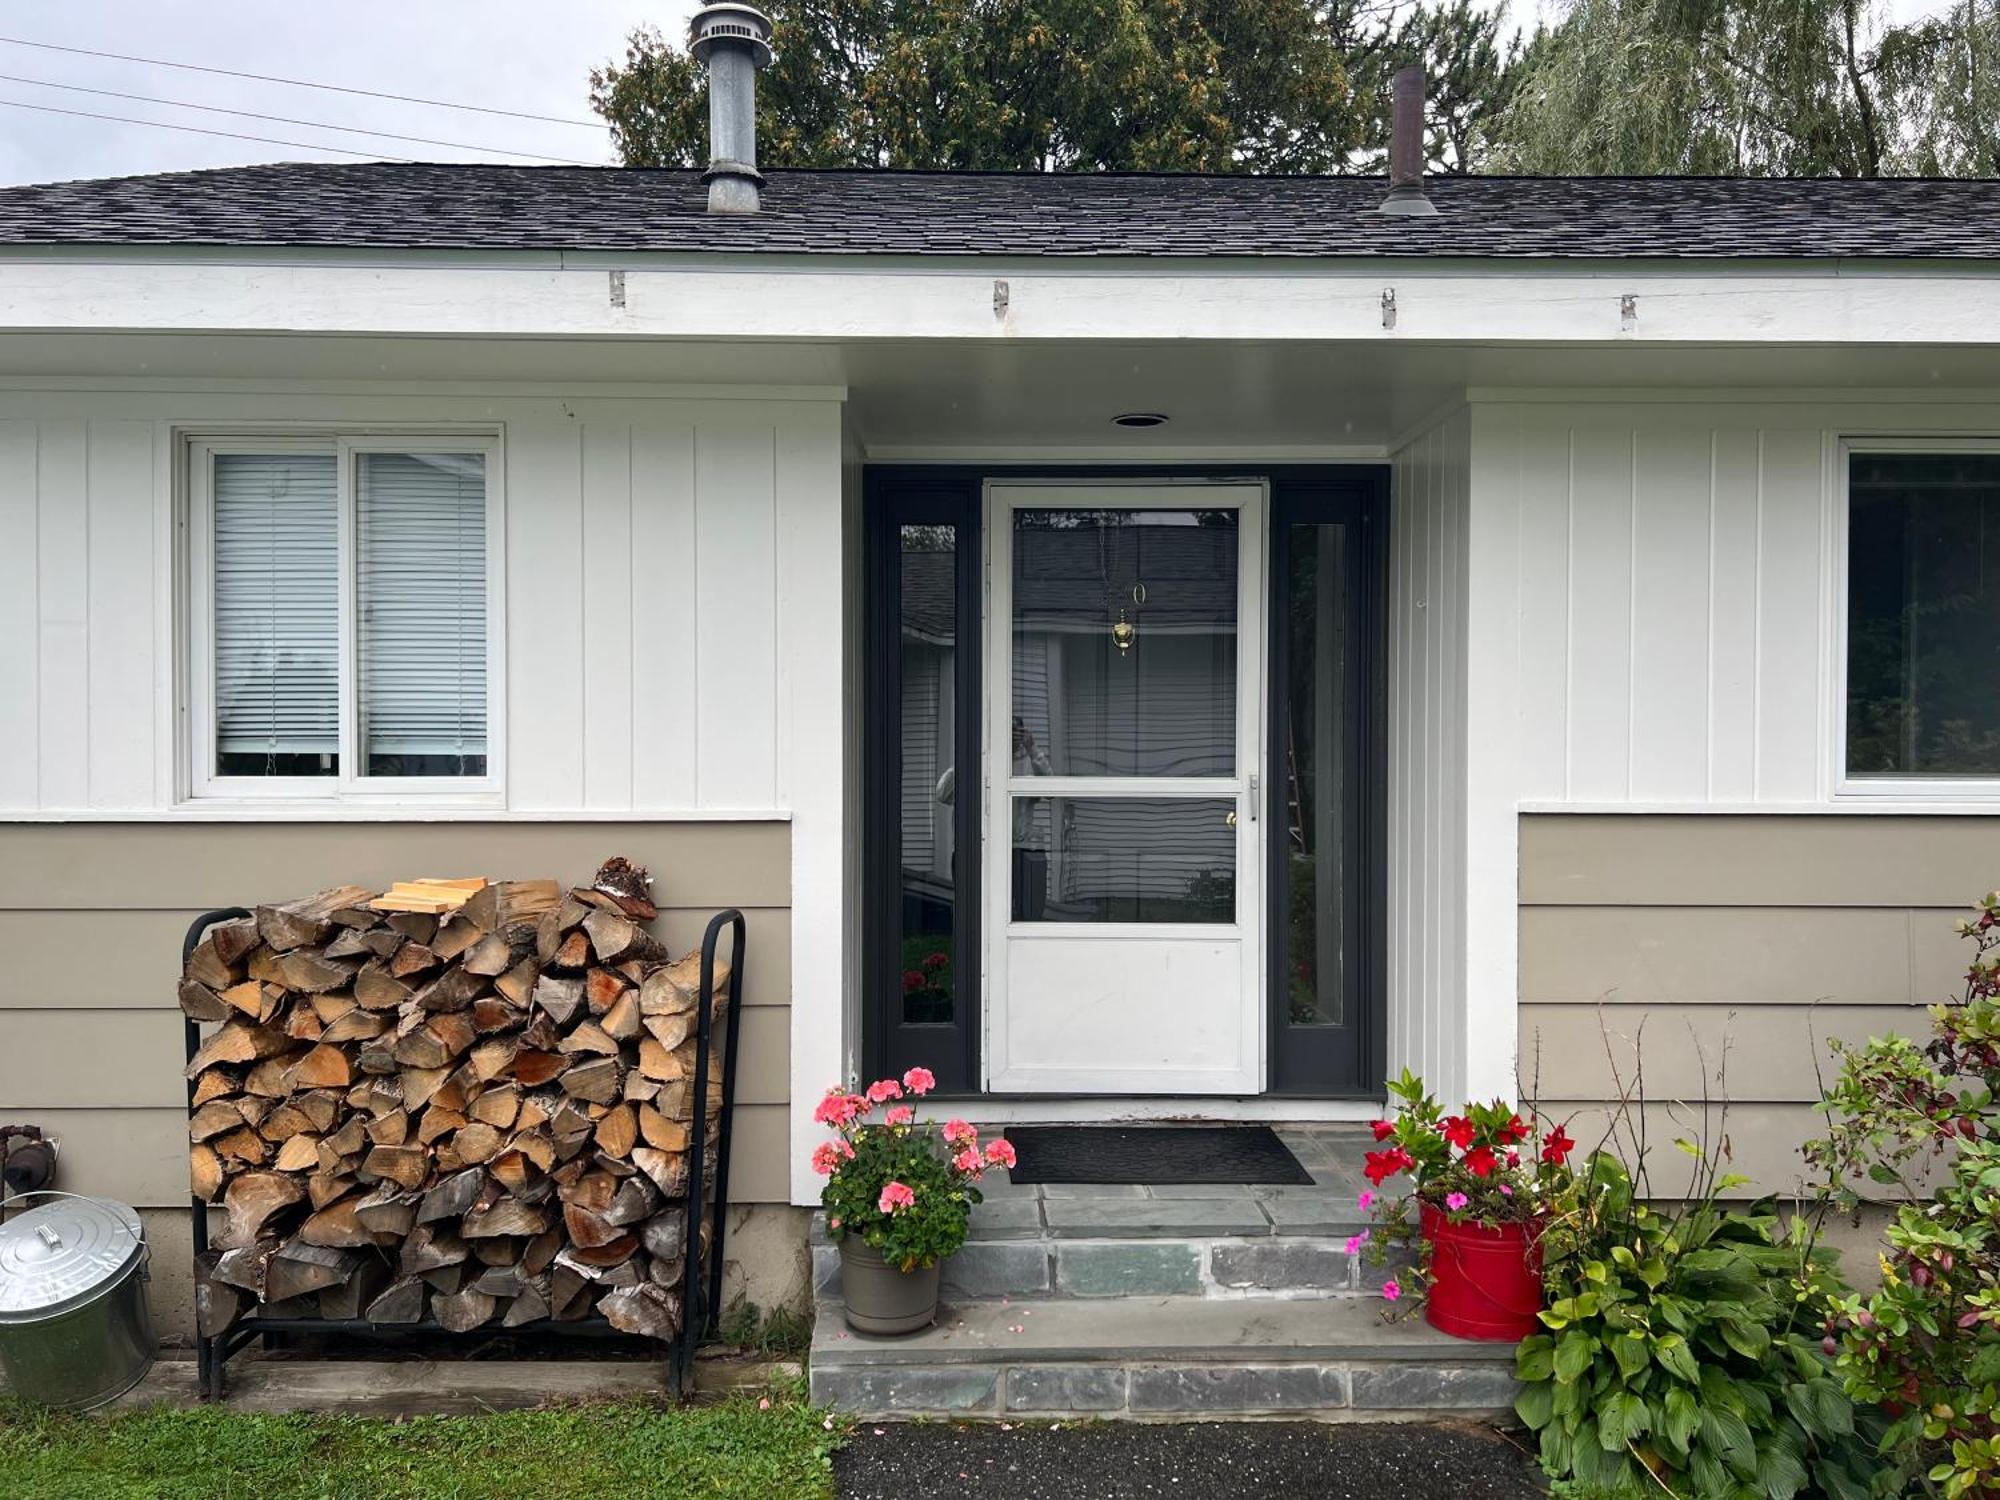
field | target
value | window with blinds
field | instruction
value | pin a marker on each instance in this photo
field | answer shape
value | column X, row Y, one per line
column 420, row 604
column 320, row 683
column 276, row 614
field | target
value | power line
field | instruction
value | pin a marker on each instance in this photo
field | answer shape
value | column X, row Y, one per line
column 300, row 83
column 251, row 114
column 234, row 135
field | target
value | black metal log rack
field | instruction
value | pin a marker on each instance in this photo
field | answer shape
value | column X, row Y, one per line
column 701, row 1295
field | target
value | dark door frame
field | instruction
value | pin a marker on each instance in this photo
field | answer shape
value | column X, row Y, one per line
column 895, row 495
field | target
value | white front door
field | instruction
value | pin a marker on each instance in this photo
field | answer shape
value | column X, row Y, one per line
column 1122, row 841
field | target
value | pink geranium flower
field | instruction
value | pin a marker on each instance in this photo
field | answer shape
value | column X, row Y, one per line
column 902, row 1114
column 920, row 1080
column 1391, row 1291
column 969, row 1162
column 959, row 1132
column 1000, row 1153
column 825, row 1159
column 883, row 1089
column 1455, row 1201
column 895, row 1197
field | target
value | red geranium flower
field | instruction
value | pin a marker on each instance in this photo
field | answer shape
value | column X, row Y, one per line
column 1480, row 1162
column 913, row 979
column 1459, row 1130
column 1382, row 1128
column 1557, row 1147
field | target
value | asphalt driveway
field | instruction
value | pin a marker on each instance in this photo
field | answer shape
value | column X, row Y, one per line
column 1213, row 1460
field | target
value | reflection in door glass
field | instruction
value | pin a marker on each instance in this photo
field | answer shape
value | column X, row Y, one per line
column 1124, row 635
column 1315, row 656
column 928, row 628
column 1124, row 859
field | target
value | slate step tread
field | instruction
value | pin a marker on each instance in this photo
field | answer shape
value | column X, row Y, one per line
column 1139, row 1329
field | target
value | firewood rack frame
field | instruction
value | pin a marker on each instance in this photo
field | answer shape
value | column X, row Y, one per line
column 701, row 1296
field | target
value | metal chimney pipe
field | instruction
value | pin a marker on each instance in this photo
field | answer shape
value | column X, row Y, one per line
column 1406, row 146
column 733, row 42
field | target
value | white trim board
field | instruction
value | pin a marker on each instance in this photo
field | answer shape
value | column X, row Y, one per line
column 1312, row 301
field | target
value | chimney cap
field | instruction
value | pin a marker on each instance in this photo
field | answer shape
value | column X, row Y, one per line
column 715, row 25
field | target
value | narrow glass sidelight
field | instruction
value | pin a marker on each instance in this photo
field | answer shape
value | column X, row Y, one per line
column 928, row 789
column 1314, row 770
column 921, row 778
column 1325, row 809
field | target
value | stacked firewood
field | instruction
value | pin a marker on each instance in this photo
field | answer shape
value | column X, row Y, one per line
column 475, row 1109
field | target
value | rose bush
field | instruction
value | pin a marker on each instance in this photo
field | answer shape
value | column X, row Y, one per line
column 903, row 1187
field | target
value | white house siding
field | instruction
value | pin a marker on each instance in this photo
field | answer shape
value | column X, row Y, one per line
column 674, row 646
column 1663, row 588
column 1675, row 589
column 644, row 621
column 1429, row 539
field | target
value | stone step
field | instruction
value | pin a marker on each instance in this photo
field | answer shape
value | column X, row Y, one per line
column 1126, row 1240
column 1160, row 1358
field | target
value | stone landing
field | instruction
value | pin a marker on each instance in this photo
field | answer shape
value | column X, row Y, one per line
column 1161, row 1302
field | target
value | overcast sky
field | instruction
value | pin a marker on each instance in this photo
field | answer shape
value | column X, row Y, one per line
column 532, row 56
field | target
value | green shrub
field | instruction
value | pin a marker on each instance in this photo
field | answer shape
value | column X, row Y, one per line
column 1920, row 1120
column 1683, row 1354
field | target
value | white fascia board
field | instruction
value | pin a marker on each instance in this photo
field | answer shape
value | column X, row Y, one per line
column 1492, row 302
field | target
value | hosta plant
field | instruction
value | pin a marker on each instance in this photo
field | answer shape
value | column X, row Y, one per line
column 1919, row 1121
column 1683, row 1350
column 904, row 1187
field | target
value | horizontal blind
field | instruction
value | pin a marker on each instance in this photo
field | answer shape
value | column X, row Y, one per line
column 420, row 592
column 276, row 538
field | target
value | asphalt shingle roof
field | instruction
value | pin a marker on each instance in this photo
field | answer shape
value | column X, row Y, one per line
column 392, row 205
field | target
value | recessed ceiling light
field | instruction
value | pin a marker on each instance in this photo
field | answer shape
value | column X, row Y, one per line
column 1140, row 419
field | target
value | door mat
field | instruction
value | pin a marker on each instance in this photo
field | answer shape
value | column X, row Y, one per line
column 1153, row 1155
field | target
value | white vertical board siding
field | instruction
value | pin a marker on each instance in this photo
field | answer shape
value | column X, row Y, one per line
column 1429, row 537
column 20, row 617
column 1674, row 591
column 79, row 564
column 642, row 542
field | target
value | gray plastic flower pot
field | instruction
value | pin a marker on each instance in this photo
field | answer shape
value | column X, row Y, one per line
column 880, row 1298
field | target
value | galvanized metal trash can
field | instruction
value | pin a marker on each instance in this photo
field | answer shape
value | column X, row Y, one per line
column 75, row 1330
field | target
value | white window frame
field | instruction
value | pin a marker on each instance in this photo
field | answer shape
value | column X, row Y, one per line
column 1864, row 789
column 202, row 783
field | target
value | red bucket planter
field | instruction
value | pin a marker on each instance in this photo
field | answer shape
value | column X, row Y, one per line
column 1485, row 1283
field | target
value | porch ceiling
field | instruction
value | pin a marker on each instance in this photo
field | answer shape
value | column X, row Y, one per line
column 919, row 398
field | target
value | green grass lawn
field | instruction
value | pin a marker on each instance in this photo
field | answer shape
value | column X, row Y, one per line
column 625, row 1450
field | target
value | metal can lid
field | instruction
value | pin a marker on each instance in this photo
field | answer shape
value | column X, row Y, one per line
column 56, row 1256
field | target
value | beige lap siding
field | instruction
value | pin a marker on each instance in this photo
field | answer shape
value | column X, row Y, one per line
column 91, row 919
column 1761, row 932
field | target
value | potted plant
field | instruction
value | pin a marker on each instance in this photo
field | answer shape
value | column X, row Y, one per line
column 1479, row 1180
column 898, row 1197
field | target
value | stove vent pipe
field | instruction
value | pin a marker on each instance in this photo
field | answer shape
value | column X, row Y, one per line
column 733, row 42
column 1406, row 146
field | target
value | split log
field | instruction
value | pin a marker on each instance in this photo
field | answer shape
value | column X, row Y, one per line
column 403, row 1302
column 299, row 1267
column 294, row 924
column 627, row 884
column 254, row 1200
